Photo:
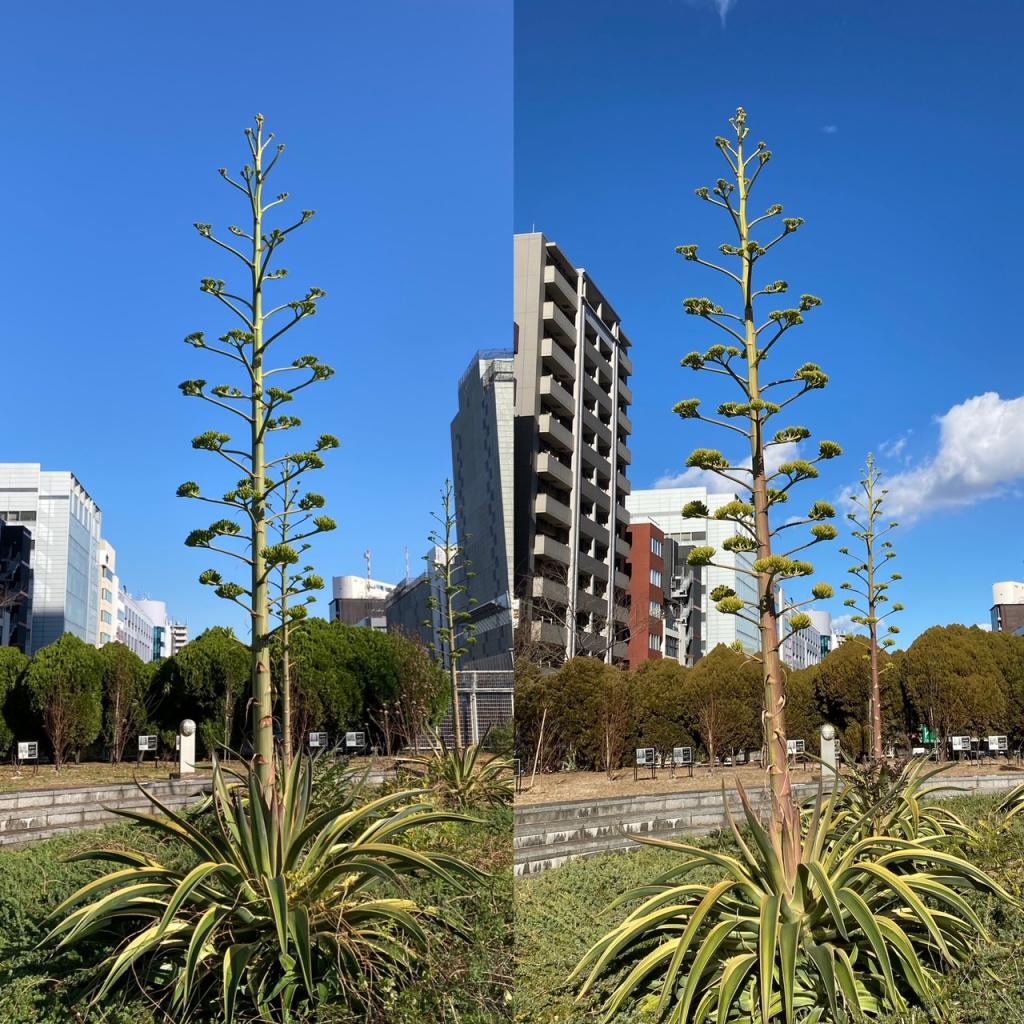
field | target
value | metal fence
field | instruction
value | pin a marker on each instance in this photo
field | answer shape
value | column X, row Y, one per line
column 485, row 702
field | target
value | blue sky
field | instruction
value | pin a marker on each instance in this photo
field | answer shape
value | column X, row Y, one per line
column 895, row 129
column 397, row 119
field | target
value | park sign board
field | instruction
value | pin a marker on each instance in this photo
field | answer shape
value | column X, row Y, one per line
column 998, row 744
column 961, row 743
column 318, row 739
column 355, row 740
column 28, row 751
column 682, row 755
column 646, row 755
column 147, row 743
column 795, row 746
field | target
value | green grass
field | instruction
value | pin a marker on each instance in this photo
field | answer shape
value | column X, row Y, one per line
column 465, row 980
column 560, row 913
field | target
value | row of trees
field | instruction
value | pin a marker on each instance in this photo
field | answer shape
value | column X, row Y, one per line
column 93, row 703
column 952, row 679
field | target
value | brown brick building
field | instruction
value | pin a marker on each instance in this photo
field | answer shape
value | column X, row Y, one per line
column 646, row 593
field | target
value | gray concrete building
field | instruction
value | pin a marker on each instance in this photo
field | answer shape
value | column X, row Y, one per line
column 571, row 458
column 15, row 586
column 1007, row 611
column 408, row 607
column 65, row 523
column 359, row 601
column 482, row 476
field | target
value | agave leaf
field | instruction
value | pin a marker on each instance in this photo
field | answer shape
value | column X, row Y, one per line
column 767, row 938
column 823, row 958
column 734, row 971
column 869, row 926
column 278, row 892
column 298, row 924
column 236, row 958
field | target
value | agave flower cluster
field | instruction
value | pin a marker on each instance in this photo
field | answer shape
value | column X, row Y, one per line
column 278, row 907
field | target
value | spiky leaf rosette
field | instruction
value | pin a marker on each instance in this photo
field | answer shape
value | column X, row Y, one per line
column 862, row 930
column 276, row 908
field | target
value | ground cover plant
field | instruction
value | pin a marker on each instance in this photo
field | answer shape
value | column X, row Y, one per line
column 560, row 914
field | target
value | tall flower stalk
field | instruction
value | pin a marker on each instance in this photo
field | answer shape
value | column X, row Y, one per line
column 258, row 398
column 872, row 585
column 766, row 485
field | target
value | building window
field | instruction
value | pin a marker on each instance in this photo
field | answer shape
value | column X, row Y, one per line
column 654, row 642
column 105, row 616
column 655, row 547
column 655, row 578
column 655, row 610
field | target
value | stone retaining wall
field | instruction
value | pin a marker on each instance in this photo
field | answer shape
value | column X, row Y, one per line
column 547, row 835
column 31, row 815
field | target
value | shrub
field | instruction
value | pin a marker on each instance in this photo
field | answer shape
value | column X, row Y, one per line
column 830, row 921
column 276, row 909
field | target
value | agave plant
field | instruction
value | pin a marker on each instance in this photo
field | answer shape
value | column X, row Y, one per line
column 858, row 925
column 277, row 908
column 1012, row 804
column 459, row 777
column 892, row 801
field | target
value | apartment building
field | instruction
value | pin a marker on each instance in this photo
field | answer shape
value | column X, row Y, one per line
column 571, row 459
column 482, row 477
column 666, row 597
column 693, row 626
column 109, row 587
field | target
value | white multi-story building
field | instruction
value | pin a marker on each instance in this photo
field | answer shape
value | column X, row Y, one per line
column 805, row 647
column 359, row 600
column 65, row 523
column 663, row 507
column 109, row 587
column 179, row 637
column 135, row 629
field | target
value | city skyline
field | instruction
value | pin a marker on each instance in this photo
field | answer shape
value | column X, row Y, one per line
column 890, row 250
column 396, row 216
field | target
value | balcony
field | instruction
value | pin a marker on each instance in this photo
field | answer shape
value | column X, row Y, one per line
column 622, row 547
column 547, row 633
column 621, row 581
column 556, row 320
column 553, row 433
column 557, row 361
column 625, row 363
column 553, row 510
column 551, row 592
column 559, row 285
column 623, row 453
column 601, row 464
column 591, row 604
column 622, row 484
column 549, row 468
column 594, row 390
column 625, row 424
column 594, row 493
column 625, row 392
column 553, row 550
column 593, row 530
column 599, row 429
column 552, row 390
column 589, row 564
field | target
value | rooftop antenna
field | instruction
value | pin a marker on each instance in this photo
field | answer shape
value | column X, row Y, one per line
column 369, row 562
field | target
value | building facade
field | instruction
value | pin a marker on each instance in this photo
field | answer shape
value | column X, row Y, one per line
column 1007, row 609
column 646, row 593
column 179, row 637
column 482, row 476
column 15, row 586
column 571, row 458
column 414, row 607
column 109, row 588
column 135, row 629
column 65, row 524
column 693, row 625
column 359, row 601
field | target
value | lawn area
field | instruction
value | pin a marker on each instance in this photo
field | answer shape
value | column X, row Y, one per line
column 464, row 980
column 86, row 774
column 560, row 913
column 559, row 787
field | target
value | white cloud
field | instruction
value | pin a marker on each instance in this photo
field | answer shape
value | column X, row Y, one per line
column 845, row 624
column 693, row 477
column 830, row 129
column 722, row 6
column 894, row 449
column 980, row 456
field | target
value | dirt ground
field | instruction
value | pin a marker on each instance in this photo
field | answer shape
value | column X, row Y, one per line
column 88, row 774
column 563, row 787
